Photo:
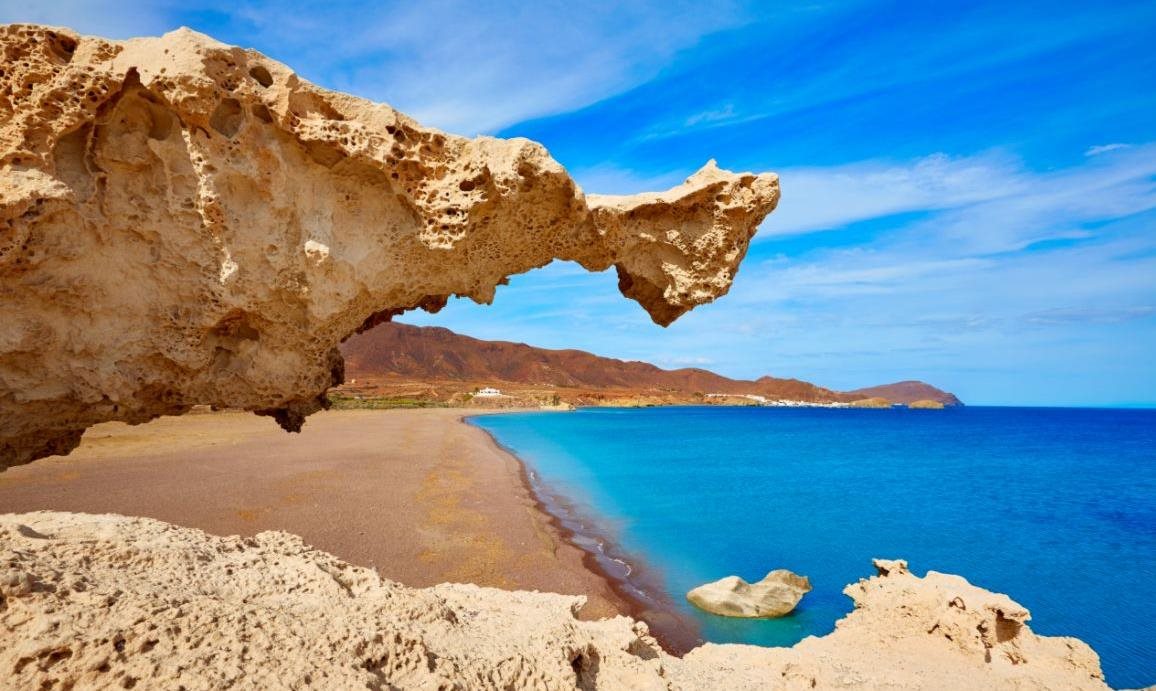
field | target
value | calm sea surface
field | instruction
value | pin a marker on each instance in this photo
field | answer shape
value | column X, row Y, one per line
column 1055, row 507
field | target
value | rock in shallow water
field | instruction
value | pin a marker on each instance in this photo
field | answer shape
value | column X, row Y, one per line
column 776, row 595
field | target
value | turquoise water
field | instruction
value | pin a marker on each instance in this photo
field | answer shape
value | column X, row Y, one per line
column 1056, row 507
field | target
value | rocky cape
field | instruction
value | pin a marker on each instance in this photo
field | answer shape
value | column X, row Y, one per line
column 429, row 363
column 907, row 393
column 184, row 222
column 101, row 601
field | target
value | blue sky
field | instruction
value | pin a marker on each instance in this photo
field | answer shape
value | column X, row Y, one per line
column 969, row 190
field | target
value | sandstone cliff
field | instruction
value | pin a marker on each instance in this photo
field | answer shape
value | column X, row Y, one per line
column 102, row 601
column 184, row 222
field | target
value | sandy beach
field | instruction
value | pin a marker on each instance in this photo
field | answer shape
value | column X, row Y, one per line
column 416, row 494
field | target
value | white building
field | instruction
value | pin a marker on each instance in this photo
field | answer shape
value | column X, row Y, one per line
column 488, row 392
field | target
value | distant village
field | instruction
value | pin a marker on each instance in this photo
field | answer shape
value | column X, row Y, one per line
column 779, row 403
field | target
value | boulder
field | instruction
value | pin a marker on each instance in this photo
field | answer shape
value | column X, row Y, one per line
column 776, row 595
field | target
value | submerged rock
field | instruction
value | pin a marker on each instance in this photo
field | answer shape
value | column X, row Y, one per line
column 776, row 595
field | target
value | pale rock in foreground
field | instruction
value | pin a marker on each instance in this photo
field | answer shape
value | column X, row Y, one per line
column 107, row 601
column 776, row 595
column 187, row 223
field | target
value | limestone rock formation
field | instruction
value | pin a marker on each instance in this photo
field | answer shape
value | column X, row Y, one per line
column 108, row 601
column 776, row 595
column 184, row 222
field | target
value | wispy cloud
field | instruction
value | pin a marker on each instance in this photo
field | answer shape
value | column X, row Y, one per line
column 826, row 198
column 1104, row 148
column 464, row 66
column 989, row 202
column 1073, row 315
column 478, row 66
column 920, row 45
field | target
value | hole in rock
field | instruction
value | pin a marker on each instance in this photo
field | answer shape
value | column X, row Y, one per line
column 62, row 47
column 262, row 113
column 585, row 666
column 262, row 75
column 324, row 153
column 1005, row 629
column 160, row 122
column 227, row 117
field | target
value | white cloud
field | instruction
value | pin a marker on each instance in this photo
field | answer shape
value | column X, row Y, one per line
column 464, row 66
column 1063, row 204
column 861, row 273
column 1104, row 148
column 1094, row 315
column 472, row 67
column 825, row 198
column 725, row 113
column 989, row 202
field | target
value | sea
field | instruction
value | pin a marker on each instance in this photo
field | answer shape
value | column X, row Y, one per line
column 1054, row 506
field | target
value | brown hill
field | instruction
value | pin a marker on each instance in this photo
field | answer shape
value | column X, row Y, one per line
column 909, row 392
column 394, row 352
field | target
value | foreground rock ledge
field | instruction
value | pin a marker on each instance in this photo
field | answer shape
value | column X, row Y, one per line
column 184, row 222
column 103, row 601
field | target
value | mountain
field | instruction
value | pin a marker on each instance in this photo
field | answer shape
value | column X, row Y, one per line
column 906, row 392
column 434, row 361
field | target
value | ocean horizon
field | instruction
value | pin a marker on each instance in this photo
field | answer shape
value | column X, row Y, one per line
column 1052, row 506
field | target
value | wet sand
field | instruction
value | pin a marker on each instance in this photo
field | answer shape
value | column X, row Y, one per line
column 417, row 494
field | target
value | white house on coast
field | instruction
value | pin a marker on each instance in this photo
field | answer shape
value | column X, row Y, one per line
column 488, row 392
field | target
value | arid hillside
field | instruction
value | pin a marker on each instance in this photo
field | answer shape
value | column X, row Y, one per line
column 433, row 362
column 907, row 392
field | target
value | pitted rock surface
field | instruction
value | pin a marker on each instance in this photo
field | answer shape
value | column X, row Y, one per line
column 103, row 601
column 184, row 222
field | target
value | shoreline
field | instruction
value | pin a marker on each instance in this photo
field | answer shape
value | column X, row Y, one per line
column 633, row 582
column 420, row 495
column 425, row 496
column 401, row 477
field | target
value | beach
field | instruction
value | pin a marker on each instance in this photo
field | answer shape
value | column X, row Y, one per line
column 430, row 501
column 418, row 495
